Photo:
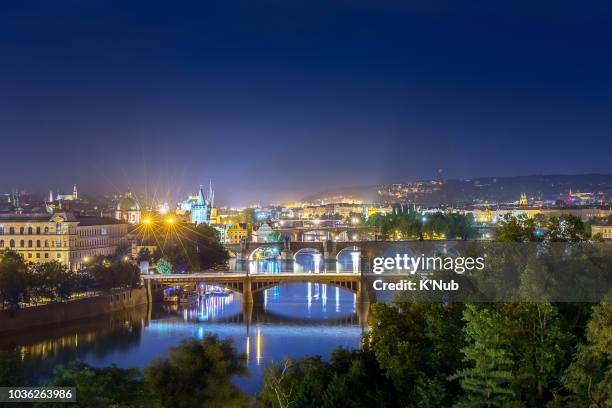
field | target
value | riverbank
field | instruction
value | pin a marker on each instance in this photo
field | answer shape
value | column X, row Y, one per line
column 73, row 310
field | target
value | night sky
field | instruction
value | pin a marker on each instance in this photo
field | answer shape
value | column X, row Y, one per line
column 279, row 99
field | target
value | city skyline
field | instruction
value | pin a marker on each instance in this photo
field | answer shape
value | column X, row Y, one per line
column 276, row 101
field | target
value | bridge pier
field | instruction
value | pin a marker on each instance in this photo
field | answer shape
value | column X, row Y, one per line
column 286, row 255
column 247, row 292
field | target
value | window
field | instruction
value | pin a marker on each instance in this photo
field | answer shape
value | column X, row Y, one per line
column 46, row 255
column 12, row 243
column 37, row 230
column 1, row 243
column 59, row 255
column 29, row 254
column 21, row 231
column 12, row 231
column 58, row 228
column 29, row 243
column 22, row 243
column 29, row 230
column 46, row 230
column 1, row 229
column 38, row 254
column 38, row 243
column 46, row 243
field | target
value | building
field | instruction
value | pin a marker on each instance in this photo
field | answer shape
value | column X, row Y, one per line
column 200, row 213
column 263, row 233
column 128, row 209
column 66, row 197
column 604, row 230
column 203, row 209
column 63, row 237
column 237, row 233
column 221, row 230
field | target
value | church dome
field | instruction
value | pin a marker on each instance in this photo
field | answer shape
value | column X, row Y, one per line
column 128, row 203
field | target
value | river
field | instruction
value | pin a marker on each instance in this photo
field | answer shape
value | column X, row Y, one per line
column 294, row 320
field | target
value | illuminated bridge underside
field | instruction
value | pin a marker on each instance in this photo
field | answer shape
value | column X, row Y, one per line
column 254, row 283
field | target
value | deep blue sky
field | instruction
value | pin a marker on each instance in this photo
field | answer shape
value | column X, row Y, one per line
column 277, row 99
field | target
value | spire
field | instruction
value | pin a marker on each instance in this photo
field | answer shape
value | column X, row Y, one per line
column 211, row 194
column 201, row 200
column 50, row 196
column 75, row 194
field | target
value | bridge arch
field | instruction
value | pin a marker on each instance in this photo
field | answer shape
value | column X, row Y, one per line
column 306, row 251
column 265, row 251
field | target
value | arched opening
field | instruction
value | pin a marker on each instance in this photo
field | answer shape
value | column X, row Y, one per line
column 265, row 259
column 308, row 260
column 349, row 260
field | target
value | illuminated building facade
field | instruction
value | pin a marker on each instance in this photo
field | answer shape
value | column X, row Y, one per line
column 237, row 233
column 263, row 233
column 65, row 197
column 203, row 210
column 62, row 237
column 128, row 209
column 604, row 230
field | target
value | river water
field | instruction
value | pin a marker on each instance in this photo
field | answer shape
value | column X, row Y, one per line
column 294, row 320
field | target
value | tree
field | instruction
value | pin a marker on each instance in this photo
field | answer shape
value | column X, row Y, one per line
column 350, row 379
column 12, row 372
column 14, row 280
column 487, row 380
column 53, row 280
column 100, row 387
column 417, row 348
column 206, row 247
column 197, row 374
column 516, row 229
column 117, row 273
column 144, row 255
column 515, row 353
column 589, row 377
column 164, row 267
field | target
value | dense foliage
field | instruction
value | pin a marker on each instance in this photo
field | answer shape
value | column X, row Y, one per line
column 29, row 283
column 416, row 225
column 196, row 373
column 189, row 248
column 502, row 354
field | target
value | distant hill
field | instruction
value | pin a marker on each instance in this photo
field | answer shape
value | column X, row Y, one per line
column 365, row 193
column 492, row 189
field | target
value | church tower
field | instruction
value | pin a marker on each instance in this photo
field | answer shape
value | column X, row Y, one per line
column 523, row 200
column 75, row 195
column 199, row 210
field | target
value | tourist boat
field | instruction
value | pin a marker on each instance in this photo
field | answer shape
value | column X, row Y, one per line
column 171, row 298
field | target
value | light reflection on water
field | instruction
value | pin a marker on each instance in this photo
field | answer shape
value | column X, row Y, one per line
column 293, row 320
column 305, row 260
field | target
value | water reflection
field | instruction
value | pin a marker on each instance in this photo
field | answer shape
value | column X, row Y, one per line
column 293, row 320
column 306, row 260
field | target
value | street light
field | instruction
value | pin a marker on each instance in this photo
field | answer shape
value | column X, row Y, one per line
column 147, row 220
column 170, row 220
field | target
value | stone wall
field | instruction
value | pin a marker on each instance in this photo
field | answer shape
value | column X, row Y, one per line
column 57, row 313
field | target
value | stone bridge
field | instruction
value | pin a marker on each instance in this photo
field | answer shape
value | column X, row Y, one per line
column 331, row 249
column 252, row 286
